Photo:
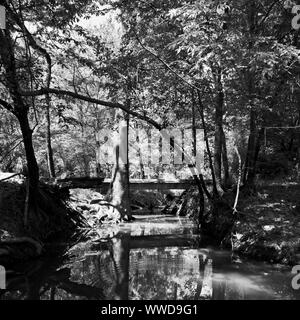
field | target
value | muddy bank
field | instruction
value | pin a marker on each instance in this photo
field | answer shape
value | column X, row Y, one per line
column 51, row 219
column 267, row 227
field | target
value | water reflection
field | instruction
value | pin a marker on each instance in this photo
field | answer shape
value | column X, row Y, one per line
column 148, row 259
column 165, row 273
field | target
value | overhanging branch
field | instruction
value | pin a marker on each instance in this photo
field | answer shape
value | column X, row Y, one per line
column 81, row 97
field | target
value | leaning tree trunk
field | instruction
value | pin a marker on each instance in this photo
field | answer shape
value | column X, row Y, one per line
column 32, row 169
column 50, row 160
column 32, row 166
column 212, row 169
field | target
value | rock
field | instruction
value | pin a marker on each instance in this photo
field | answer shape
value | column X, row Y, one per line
column 269, row 228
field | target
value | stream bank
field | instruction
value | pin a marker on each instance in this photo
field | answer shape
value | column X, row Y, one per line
column 155, row 257
column 24, row 233
column 268, row 228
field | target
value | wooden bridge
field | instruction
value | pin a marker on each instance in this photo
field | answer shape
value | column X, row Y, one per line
column 154, row 184
column 135, row 184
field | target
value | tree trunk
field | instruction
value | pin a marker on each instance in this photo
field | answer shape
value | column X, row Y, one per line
column 139, row 154
column 50, row 161
column 249, row 172
column 32, row 171
column 20, row 110
column 194, row 126
column 218, row 129
column 226, row 180
column 32, row 166
column 120, row 181
column 197, row 177
column 201, row 111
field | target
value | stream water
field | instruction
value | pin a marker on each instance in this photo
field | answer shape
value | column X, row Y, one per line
column 155, row 257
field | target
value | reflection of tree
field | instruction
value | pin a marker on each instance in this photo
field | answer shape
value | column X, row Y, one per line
column 36, row 285
column 103, row 272
column 120, row 254
column 98, row 273
column 164, row 273
column 42, row 280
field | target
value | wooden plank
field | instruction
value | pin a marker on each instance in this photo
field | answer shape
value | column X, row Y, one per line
column 207, row 289
column 153, row 184
column 135, row 184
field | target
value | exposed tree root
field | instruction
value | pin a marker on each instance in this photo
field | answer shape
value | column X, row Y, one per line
column 50, row 218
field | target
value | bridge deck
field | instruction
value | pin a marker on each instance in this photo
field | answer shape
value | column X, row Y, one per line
column 135, row 184
column 154, row 184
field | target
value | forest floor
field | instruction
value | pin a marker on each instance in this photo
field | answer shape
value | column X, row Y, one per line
column 269, row 224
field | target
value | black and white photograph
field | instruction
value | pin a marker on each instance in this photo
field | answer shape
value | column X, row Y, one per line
column 149, row 151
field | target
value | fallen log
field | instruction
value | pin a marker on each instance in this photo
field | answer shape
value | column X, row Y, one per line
column 79, row 183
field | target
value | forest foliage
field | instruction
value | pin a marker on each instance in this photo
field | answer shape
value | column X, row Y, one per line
column 68, row 67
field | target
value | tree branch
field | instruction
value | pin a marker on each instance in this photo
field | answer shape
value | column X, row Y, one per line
column 268, row 13
column 167, row 65
column 6, row 105
column 78, row 96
